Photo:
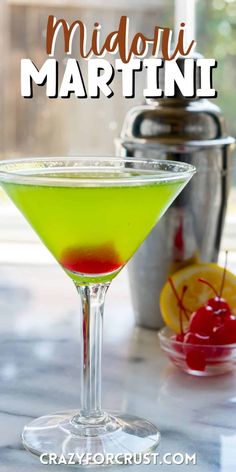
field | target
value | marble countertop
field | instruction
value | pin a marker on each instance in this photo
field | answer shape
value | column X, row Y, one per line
column 38, row 373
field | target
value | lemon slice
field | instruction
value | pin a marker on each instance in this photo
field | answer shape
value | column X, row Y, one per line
column 197, row 293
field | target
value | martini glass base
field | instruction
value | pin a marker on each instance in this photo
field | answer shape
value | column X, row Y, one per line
column 110, row 440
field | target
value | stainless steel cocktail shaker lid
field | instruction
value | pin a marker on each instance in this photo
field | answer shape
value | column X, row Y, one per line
column 175, row 122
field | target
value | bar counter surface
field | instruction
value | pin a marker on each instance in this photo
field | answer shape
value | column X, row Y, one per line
column 39, row 374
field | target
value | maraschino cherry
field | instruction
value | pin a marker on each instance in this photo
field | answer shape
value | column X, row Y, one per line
column 195, row 356
column 203, row 321
column 218, row 303
column 226, row 333
column 212, row 324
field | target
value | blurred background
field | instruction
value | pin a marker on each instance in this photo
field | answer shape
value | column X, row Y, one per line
column 74, row 127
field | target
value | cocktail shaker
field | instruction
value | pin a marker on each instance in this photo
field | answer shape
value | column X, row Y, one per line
column 192, row 131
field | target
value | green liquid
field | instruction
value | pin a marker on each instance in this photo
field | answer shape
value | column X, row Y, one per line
column 94, row 228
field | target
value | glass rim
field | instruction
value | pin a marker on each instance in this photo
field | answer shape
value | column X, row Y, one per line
column 165, row 334
column 150, row 170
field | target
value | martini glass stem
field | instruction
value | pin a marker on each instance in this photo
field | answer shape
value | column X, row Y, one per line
column 93, row 298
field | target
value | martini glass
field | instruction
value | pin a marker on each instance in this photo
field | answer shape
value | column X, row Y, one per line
column 92, row 214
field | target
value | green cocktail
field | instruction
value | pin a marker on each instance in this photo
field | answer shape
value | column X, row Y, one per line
column 93, row 231
column 92, row 214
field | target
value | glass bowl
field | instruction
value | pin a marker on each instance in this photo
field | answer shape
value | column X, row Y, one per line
column 198, row 359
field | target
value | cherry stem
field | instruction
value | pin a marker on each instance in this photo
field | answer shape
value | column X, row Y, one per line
column 180, row 302
column 203, row 281
column 224, row 274
column 180, row 317
column 181, row 309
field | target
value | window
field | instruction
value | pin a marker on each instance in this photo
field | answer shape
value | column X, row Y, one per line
column 57, row 127
column 216, row 27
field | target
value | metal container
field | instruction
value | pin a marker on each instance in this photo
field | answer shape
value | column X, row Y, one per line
column 191, row 131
